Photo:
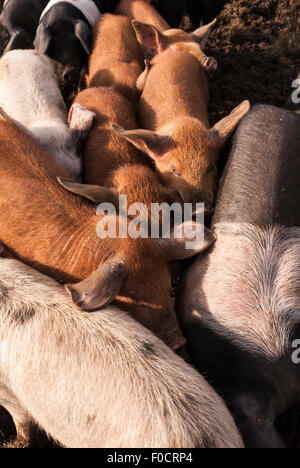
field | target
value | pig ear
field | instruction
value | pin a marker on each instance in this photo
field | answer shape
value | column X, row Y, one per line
column 182, row 244
column 221, row 132
column 100, row 288
column 95, row 193
column 80, row 118
column 151, row 40
column 141, row 81
column 146, row 141
column 84, row 34
column 202, row 34
column 42, row 39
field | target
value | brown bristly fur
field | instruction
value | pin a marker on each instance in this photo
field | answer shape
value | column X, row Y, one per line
column 116, row 60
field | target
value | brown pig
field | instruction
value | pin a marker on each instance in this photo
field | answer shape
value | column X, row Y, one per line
column 112, row 162
column 116, row 60
column 173, row 109
column 154, row 42
column 109, row 160
column 58, row 234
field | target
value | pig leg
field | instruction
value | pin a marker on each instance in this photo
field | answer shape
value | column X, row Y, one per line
column 20, row 417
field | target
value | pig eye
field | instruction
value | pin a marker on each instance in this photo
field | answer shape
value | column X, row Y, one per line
column 173, row 170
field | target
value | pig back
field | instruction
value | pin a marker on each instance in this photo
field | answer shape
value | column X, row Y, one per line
column 261, row 183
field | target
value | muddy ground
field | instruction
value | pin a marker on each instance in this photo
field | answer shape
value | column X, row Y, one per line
column 257, row 45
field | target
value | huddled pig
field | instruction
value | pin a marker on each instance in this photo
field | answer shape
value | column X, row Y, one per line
column 115, row 64
column 155, row 35
column 240, row 303
column 108, row 159
column 293, row 102
column 30, row 94
column 57, row 233
column 173, row 108
column 97, row 380
column 21, row 19
column 111, row 165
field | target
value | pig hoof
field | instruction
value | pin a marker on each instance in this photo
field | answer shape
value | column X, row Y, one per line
column 210, row 64
column 80, row 118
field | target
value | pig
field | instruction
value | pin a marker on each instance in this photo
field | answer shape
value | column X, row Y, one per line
column 143, row 11
column 173, row 11
column 154, row 42
column 173, row 110
column 21, row 19
column 109, row 160
column 30, row 94
column 83, row 377
column 155, row 36
column 64, row 236
column 115, row 64
column 64, row 33
column 4, row 38
column 188, row 14
column 239, row 304
column 209, row 10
